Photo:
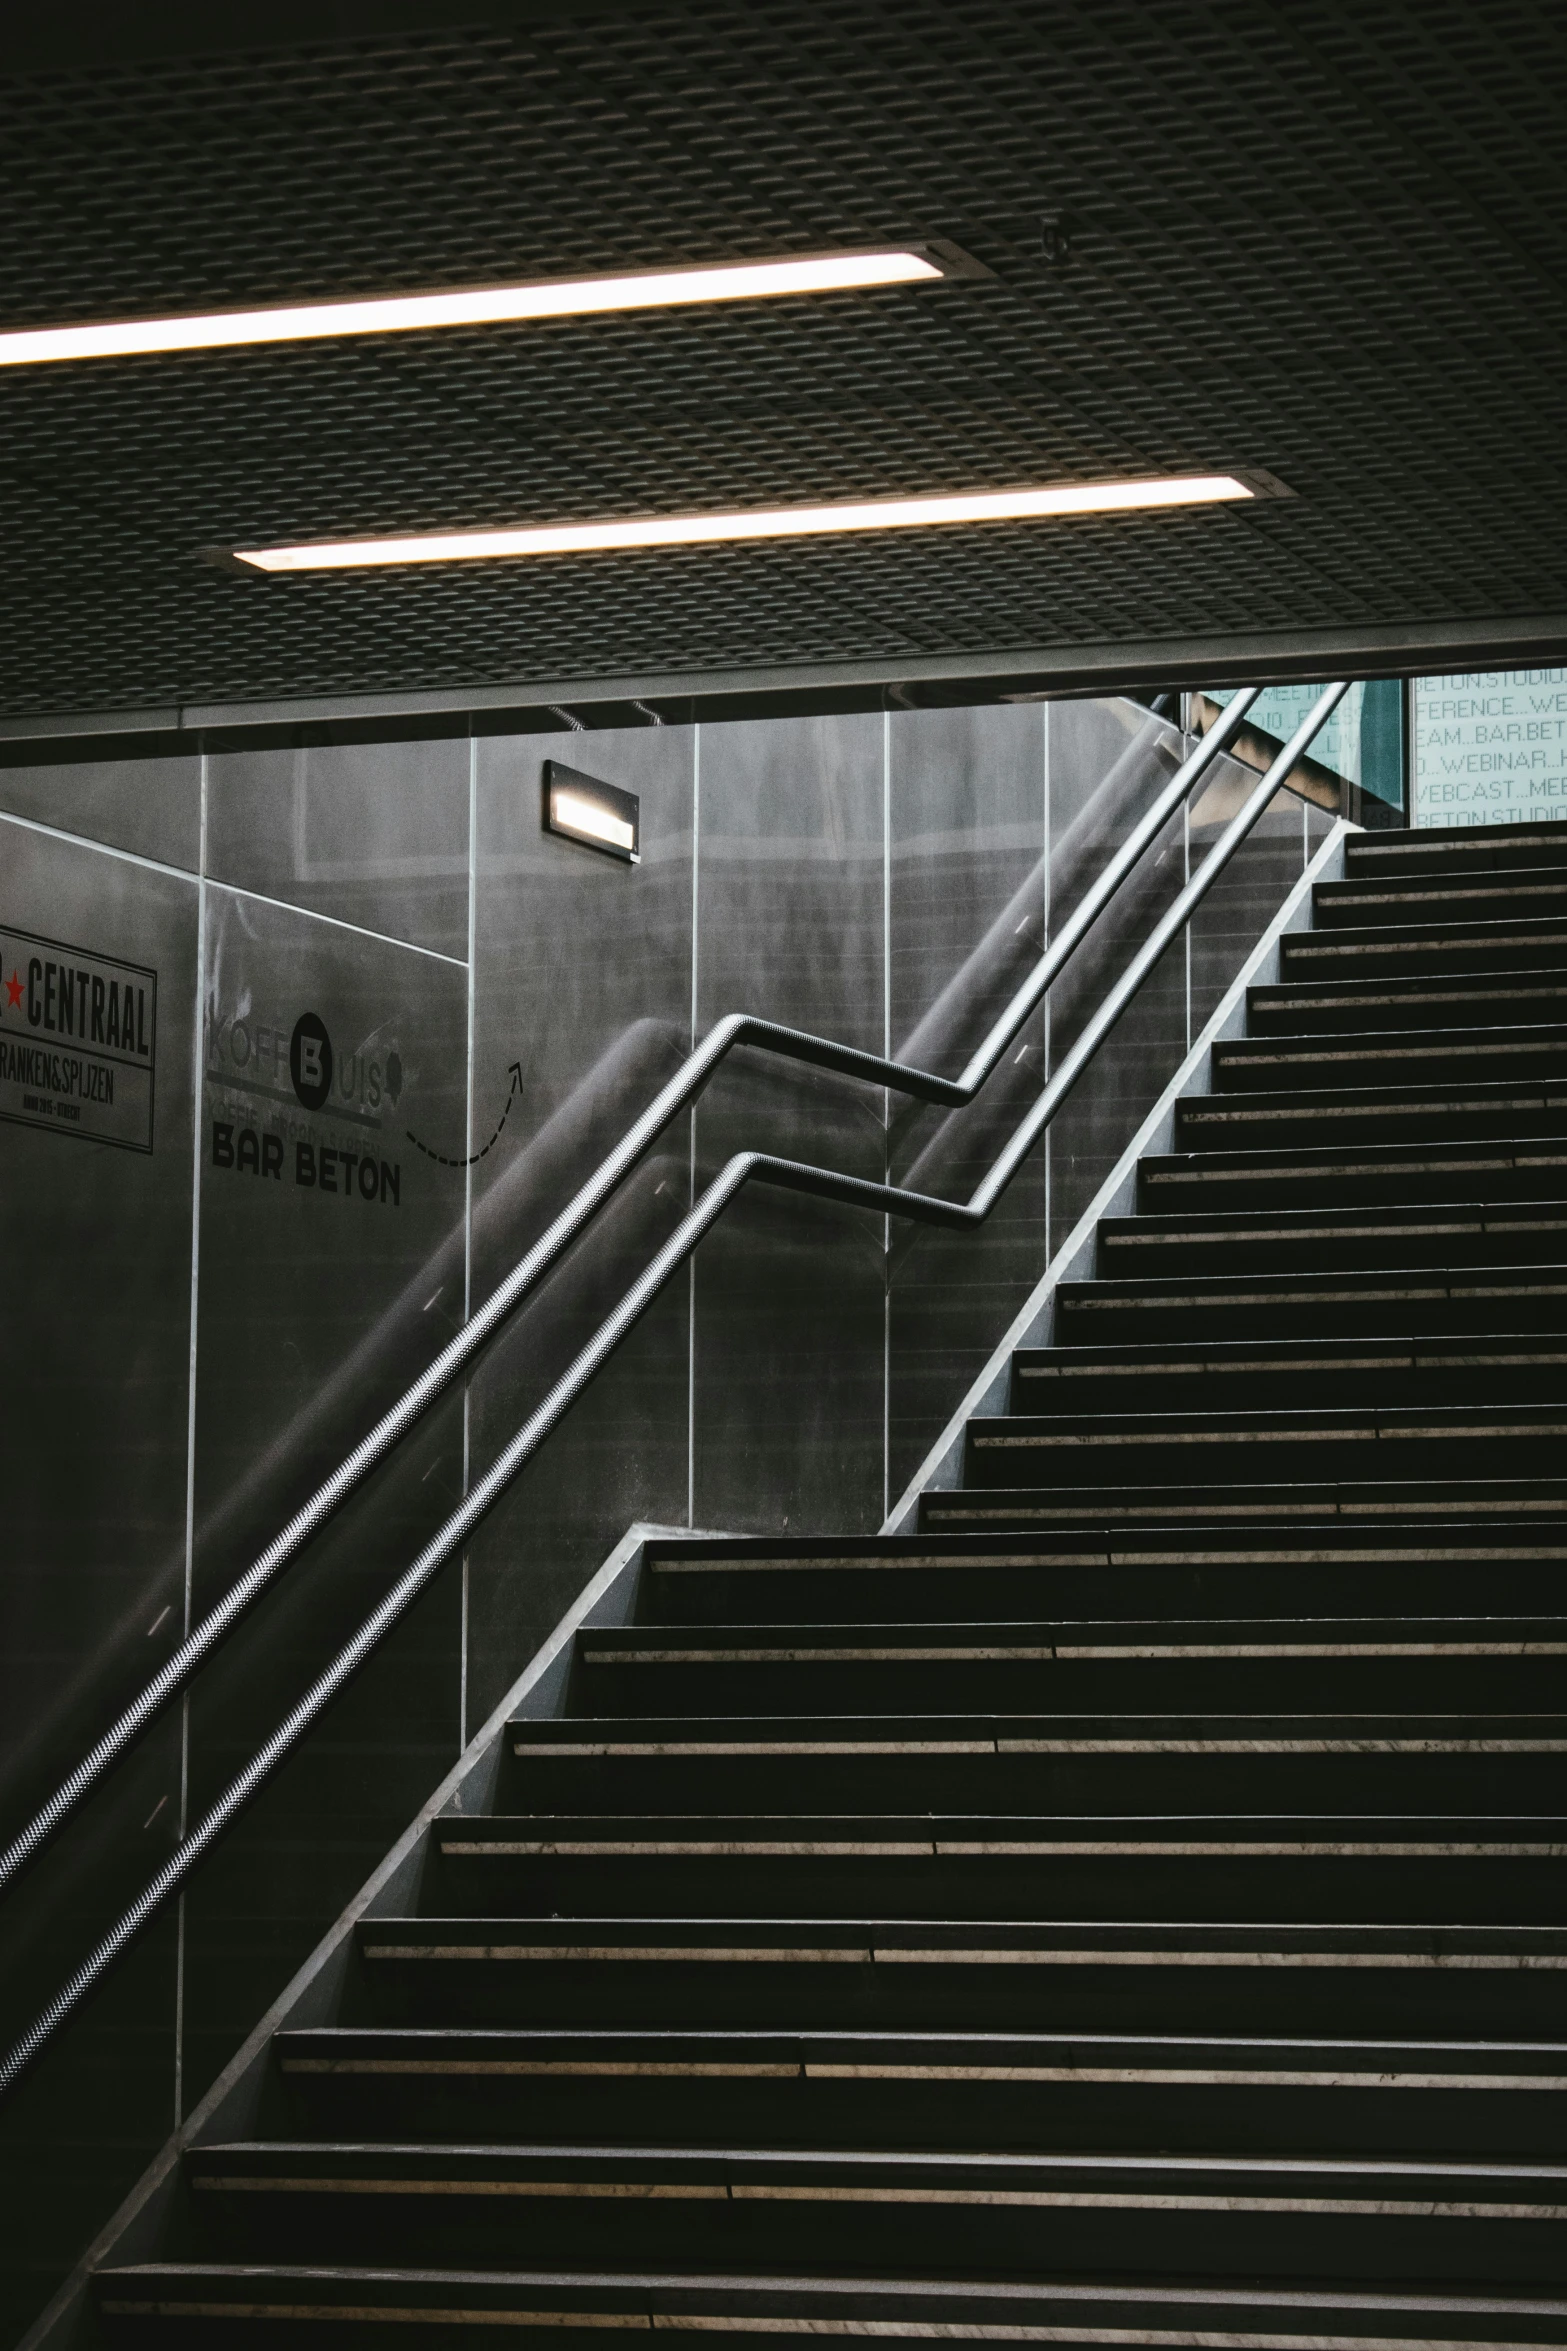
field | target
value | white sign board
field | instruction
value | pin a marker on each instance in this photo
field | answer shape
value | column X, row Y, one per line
column 1491, row 748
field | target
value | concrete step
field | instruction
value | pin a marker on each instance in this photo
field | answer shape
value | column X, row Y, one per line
column 986, row 2213
column 1342, row 1664
column 145, row 2303
column 1026, row 1511
column 1449, row 849
column 1215, row 1568
column 1183, row 1975
column 1475, row 1109
column 1429, row 950
column 1156, row 1448
column 1515, row 893
column 1011, row 2090
column 1052, row 1763
column 1382, row 1175
column 1428, row 1057
column 1289, row 1374
column 1442, row 1234
column 1407, row 1006
column 1470, row 1867
column 1350, row 1302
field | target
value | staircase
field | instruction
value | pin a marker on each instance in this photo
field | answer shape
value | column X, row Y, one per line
column 1132, row 1910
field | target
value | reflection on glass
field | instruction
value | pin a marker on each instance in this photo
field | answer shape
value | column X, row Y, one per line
column 582, row 1011
column 789, row 1305
column 1362, row 742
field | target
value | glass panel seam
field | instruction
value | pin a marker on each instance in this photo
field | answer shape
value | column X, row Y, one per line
column 696, row 939
column 467, row 1210
column 1186, row 934
column 1044, row 916
column 886, row 1104
column 197, row 1111
column 358, row 930
column 54, row 832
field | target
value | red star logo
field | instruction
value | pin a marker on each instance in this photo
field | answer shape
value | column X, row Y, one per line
column 13, row 988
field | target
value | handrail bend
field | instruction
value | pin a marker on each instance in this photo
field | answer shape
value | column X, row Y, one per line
column 792, row 1175
column 736, row 1028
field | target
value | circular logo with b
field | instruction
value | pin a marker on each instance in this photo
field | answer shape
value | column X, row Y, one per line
column 310, row 1060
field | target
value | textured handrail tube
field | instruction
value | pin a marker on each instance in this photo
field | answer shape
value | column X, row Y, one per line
column 792, row 1175
column 736, row 1028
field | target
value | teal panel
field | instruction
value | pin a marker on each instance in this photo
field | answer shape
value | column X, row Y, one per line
column 1363, row 740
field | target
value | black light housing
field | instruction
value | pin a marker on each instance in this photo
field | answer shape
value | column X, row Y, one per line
column 598, row 816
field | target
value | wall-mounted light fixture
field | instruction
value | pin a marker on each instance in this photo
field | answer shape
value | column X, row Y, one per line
column 774, row 522
column 600, row 816
column 470, row 306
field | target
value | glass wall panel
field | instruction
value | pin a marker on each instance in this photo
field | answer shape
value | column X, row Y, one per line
column 95, row 1287
column 332, row 1231
column 789, row 1293
column 1108, row 761
column 149, row 806
column 582, row 1012
column 369, row 833
column 966, row 850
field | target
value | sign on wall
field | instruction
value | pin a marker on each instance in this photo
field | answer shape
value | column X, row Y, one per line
column 1491, row 748
column 262, row 1074
column 78, row 1040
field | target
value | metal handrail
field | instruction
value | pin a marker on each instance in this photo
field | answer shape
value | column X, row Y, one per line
column 736, row 1028
column 792, row 1175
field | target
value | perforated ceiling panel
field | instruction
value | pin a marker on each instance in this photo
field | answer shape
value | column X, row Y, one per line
column 1328, row 242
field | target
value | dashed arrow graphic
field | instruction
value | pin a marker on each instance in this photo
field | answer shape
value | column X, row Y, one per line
column 475, row 1156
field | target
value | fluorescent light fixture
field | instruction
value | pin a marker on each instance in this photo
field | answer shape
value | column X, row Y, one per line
column 777, row 522
column 600, row 816
column 648, row 289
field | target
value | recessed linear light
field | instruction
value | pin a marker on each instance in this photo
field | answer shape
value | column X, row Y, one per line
column 777, row 522
column 648, row 289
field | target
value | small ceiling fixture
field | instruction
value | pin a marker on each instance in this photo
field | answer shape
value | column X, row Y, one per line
column 776, row 522
column 646, row 289
column 600, row 816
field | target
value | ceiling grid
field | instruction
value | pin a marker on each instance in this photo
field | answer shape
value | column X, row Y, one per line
column 1320, row 241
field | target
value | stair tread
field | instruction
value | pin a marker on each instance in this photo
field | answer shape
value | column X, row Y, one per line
column 870, row 1834
column 1440, row 1219
column 1498, row 987
column 1539, row 839
column 1417, row 893
column 1319, row 1355
column 1389, row 1283
column 1523, row 1154
column 1154, row 1505
column 1484, row 2178
column 639, row 1734
column 824, row 2301
column 1432, row 932
column 654, row 1644
column 761, row 1554
column 862, row 1938
column 1377, row 1045
column 1516, row 1095
column 1547, row 1419
column 1276, row 2058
